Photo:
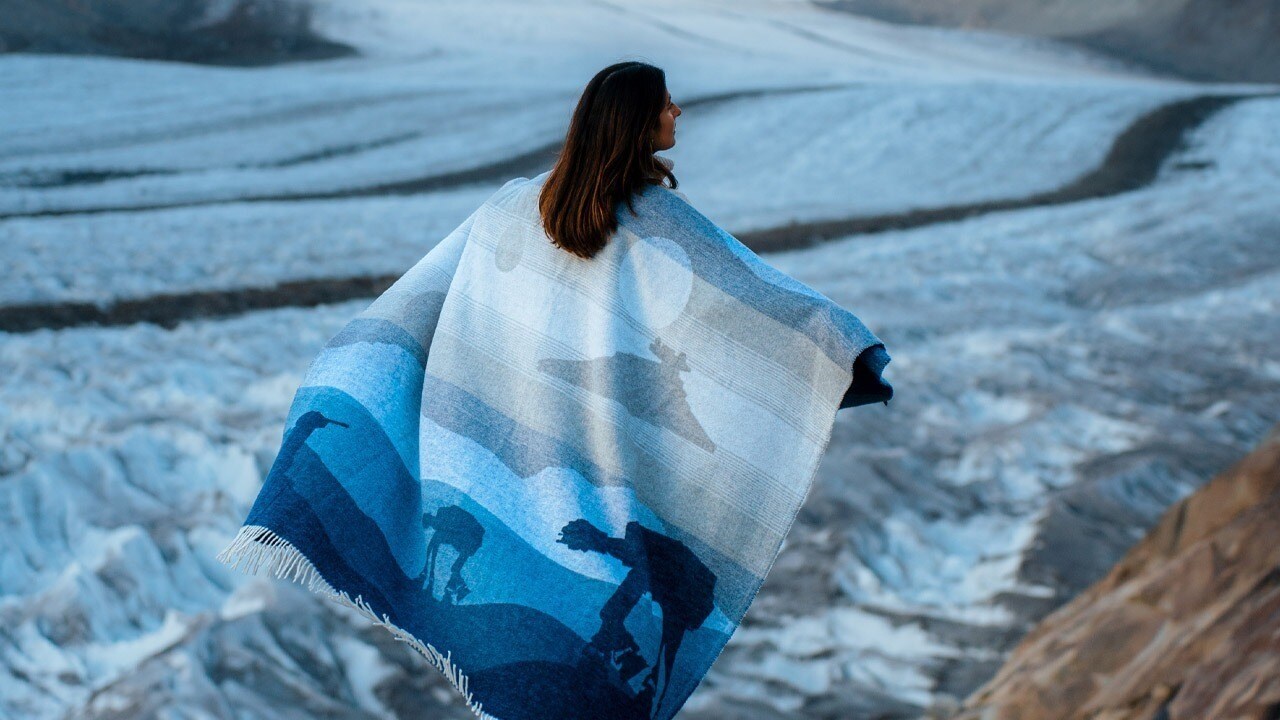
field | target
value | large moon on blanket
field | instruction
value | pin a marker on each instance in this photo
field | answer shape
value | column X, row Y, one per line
column 656, row 271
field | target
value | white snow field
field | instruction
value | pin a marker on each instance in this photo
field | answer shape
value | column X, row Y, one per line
column 1062, row 373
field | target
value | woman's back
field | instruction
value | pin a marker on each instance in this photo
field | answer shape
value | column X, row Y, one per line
column 565, row 425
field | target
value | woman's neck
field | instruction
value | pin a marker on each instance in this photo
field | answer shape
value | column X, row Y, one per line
column 668, row 163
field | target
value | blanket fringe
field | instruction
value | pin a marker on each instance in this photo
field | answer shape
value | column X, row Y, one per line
column 255, row 545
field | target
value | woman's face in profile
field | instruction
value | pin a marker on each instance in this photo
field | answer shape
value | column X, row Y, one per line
column 666, row 137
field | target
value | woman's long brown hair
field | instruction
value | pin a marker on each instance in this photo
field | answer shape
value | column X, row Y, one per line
column 607, row 156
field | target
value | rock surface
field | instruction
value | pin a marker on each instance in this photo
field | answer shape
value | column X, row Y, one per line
column 1186, row 625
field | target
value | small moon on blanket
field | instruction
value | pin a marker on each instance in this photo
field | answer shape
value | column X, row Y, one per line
column 510, row 247
column 656, row 271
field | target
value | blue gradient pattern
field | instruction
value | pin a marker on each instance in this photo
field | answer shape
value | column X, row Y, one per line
column 534, row 464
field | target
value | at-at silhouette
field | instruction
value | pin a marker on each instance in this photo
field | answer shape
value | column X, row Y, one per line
column 459, row 528
column 664, row 567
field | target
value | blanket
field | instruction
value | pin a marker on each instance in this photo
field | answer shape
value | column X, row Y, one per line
column 563, row 480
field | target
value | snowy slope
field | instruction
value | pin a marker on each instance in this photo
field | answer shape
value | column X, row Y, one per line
column 910, row 118
column 1063, row 373
column 828, row 154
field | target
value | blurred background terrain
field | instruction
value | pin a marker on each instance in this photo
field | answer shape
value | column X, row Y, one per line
column 1062, row 219
column 1204, row 39
column 231, row 32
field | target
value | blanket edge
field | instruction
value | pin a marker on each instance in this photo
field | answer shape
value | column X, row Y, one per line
column 258, row 545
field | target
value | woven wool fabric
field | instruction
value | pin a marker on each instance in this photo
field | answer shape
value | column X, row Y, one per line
column 563, row 480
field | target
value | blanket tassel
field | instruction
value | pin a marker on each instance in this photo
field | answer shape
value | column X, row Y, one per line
column 255, row 545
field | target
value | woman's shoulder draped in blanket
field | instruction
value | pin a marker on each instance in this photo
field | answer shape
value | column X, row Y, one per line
column 576, row 435
column 665, row 218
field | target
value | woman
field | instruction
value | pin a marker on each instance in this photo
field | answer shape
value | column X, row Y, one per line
column 559, row 455
column 624, row 116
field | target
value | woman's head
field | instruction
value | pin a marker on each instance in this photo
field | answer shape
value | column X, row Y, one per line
column 625, row 115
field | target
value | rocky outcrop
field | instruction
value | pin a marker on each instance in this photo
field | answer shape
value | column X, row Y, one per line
column 231, row 32
column 1186, row 626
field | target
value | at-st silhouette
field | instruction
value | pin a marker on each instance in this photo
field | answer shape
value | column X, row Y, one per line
column 459, row 528
column 307, row 423
column 664, row 567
